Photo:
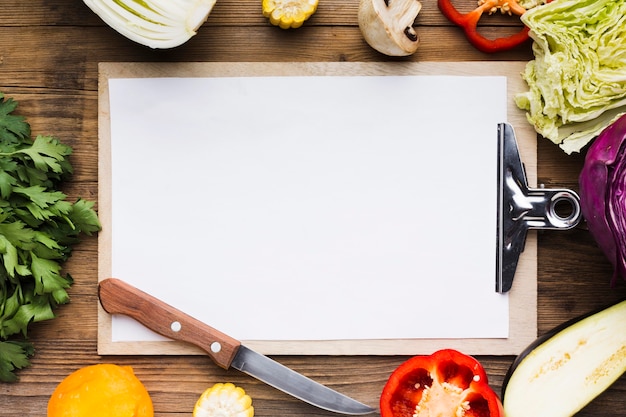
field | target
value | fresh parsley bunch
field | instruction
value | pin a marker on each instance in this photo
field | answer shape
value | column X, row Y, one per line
column 37, row 230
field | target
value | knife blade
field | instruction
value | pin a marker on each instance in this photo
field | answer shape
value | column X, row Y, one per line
column 119, row 297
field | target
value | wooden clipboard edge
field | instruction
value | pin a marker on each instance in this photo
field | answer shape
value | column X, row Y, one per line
column 104, row 206
column 523, row 296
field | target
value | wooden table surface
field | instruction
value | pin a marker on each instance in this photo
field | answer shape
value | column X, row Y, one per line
column 49, row 55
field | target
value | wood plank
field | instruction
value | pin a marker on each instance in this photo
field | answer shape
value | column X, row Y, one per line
column 51, row 48
column 76, row 68
column 241, row 13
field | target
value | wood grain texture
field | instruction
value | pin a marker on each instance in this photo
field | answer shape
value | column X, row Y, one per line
column 49, row 55
column 118, row 297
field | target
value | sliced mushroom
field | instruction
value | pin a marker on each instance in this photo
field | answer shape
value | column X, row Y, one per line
column 387, row 25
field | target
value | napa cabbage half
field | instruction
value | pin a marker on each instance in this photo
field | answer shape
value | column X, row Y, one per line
column 158, row 24
column 577, row 81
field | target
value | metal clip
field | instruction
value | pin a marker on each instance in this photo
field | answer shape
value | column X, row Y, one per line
column 521, row 208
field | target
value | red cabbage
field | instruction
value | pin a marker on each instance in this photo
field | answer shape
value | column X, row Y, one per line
column 603, row 194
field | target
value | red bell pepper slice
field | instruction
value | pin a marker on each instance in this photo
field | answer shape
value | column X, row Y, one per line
column 447, row 383
column 469, row 23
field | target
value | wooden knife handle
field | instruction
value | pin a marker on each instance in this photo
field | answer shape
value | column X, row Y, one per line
column 119, row 297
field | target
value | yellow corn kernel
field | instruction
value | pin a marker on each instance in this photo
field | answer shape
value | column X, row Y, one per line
column 224, row 400
column 289, row 14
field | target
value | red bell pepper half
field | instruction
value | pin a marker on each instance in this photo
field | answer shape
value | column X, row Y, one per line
column 469, row 23
column 445, row 384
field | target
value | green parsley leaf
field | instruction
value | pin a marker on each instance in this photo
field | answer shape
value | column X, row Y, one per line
column 38, row 229
column 14, row 355
column 6, row 184
column 83, row 217
column 47, row 153
column 13, row 129
column 46, row 274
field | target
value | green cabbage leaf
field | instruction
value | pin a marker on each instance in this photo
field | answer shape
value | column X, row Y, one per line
column 577, row 81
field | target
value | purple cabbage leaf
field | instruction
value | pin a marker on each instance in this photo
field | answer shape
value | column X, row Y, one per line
column 602, row 184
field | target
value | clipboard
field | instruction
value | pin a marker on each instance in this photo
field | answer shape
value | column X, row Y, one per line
column 522, row 304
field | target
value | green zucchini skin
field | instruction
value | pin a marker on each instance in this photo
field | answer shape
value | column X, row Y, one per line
column 551, row 343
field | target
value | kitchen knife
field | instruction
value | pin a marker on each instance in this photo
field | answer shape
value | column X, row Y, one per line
column 119, row 297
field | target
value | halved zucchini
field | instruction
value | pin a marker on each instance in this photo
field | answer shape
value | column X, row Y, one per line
column 565, row 369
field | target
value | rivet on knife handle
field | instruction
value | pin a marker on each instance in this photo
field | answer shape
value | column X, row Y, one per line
column 118, row 297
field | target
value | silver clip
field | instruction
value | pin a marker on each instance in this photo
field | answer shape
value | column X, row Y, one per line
column 521, row 208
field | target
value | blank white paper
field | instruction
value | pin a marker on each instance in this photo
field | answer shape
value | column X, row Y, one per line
column 310, row 208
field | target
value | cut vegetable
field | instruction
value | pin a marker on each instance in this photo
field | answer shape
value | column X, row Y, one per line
column 387, row 25
column 565, row 369
column 446, row 383
column 602, row 183
column 224, row 400
column 289, row 14
column 469, row 23
column 154, row 23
